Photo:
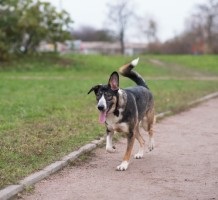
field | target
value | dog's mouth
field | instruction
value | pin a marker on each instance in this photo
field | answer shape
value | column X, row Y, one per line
column 102, row 116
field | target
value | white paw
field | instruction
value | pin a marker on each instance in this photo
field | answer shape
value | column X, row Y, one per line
column 123, row 166
column 110, row 149
column 138, row 155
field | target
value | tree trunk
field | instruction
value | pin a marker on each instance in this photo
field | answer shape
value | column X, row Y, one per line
column 55, row 47
column 122, row 43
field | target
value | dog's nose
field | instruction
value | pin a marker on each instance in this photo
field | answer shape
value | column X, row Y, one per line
column 100, row 107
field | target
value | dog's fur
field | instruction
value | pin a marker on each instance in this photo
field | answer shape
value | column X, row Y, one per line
column 127, row 110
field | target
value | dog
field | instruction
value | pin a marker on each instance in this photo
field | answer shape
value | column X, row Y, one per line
column 129, row 110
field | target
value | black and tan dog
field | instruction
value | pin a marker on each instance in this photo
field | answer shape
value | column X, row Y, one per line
column 127, row 110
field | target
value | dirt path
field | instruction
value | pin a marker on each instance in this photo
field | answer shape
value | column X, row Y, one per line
column 184, row 165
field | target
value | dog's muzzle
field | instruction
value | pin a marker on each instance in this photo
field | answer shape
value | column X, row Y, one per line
column 101, row 107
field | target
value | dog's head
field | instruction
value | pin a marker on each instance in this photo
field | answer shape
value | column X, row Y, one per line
column 106, row 96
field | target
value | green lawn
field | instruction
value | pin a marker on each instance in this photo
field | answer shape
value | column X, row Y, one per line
column 205, row 64
column 45, row 111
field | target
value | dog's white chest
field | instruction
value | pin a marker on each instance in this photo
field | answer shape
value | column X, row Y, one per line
column 113, row 123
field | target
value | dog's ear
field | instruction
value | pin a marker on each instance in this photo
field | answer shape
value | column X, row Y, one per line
column 114, row 81
column 94, row 88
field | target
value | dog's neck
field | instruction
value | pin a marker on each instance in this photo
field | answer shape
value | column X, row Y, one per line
column 121, row 102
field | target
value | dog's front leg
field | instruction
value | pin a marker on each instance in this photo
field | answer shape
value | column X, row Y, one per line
column 109, row 143
column 125, row 163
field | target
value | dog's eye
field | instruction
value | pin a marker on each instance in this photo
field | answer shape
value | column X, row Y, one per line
column 99, row 94
column 108, row 95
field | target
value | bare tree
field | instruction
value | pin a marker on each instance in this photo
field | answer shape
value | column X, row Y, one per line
column 202, row 26
column 152, row 30
column 120, row 14
column 148, row 26
column 208, row 17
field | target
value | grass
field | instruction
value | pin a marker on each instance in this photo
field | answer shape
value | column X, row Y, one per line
column 45, row 111
column 204, row 64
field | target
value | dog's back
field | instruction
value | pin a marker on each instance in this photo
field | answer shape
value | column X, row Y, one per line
column 142, row 96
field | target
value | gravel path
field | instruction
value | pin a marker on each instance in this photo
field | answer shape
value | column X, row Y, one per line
column 183, row 165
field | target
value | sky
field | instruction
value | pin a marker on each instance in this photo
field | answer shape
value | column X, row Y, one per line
column 169, row 14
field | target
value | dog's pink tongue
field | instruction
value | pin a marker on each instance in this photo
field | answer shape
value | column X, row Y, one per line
column 102, row 117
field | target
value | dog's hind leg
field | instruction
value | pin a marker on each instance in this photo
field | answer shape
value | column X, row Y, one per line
column 125, row 163
column 141, row 143
column 147, row 124
column 151, row 121
column 151, row 138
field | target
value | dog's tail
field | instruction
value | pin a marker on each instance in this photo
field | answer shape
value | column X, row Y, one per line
column 126, row 70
